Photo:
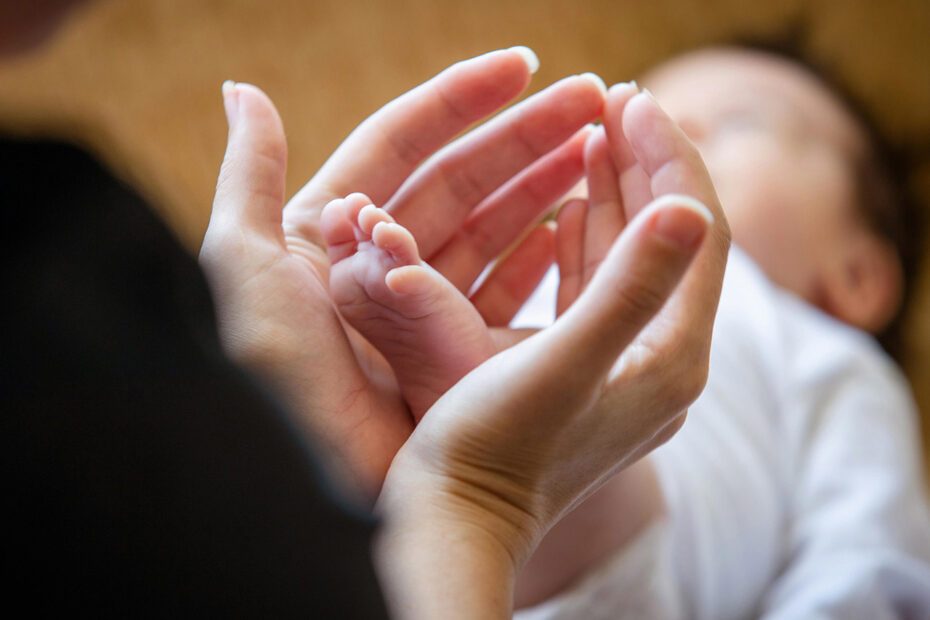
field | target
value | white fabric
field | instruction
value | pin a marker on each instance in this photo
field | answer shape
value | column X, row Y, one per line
column 794, row 489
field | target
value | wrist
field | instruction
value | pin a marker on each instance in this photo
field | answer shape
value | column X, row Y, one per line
column 443, row 551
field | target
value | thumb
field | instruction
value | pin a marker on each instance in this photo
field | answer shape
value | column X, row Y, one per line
column 251, row 185
column 638, row 275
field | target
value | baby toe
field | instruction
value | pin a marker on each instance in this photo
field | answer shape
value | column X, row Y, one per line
column 397, row 240
column 414, row 281
column 354, row 203
column 338, row 230
column 371, row 216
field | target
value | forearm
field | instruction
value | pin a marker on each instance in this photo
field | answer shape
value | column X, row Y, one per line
column 604, row 524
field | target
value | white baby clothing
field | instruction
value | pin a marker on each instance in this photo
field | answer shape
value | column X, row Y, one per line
column 794, row 489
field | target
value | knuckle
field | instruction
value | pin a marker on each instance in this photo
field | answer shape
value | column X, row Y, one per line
column 464, row 188
column 406, row 149
column 689, row 380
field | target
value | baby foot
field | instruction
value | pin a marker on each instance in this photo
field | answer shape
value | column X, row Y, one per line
column 426, row 329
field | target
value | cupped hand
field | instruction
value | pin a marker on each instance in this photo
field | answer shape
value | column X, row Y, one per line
column 532, row 432
column 465, row 201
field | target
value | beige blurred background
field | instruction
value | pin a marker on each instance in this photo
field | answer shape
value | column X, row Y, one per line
column 139, row 81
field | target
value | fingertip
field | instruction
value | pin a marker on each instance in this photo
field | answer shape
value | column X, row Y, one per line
column 622, row 91
column 617, row 98
column 528, row 56
column 596, row 145
column 623, row 87
column 254, row 101
column 572, row 209
column 230, row 102
column 598, row 82
column 680, row 221
column 638, row 108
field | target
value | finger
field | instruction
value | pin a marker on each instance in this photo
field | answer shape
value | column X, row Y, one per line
column 251, row 185
column 637, row 277
column 674, row 166
column 569, row 252
column 605, row 217
column 634, row 182
column 384, row 149
column 504, row 337
column 516, row 277
column 439, row 197
column 507, row 213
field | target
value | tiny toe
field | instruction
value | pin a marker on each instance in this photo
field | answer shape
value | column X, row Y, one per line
column 338, row 231
column 412, row 280
column 397, row 240
column 354, row 205
column 371, row 216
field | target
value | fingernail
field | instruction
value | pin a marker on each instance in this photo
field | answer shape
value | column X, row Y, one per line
column 529, row 57
column 231, row 101
column 682, row 220
column 596, row 79
column 623, row 86
column 649, row 94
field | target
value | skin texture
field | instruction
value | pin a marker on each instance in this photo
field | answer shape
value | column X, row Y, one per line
column 781, row 148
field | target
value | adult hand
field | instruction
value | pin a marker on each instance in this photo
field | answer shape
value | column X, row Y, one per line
column 620, row 186
column 529, row 434
column 268, row 271
column 629, row 167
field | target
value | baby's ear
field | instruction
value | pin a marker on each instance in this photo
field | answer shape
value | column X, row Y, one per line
column 865, row 287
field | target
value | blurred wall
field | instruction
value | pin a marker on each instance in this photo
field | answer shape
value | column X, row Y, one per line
column 139, row 80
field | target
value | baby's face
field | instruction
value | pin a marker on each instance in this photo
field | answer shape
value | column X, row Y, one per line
column 780, row 148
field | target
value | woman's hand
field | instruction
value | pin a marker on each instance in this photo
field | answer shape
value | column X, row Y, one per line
column 529, row 434
column 268, row 270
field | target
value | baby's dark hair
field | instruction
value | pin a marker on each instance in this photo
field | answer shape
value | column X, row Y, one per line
column 881, row 173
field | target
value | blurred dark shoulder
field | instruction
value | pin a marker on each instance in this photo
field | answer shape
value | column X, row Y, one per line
column 146, row 474
column 73, row 227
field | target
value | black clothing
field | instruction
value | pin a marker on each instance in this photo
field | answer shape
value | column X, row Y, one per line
column 145, row 475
